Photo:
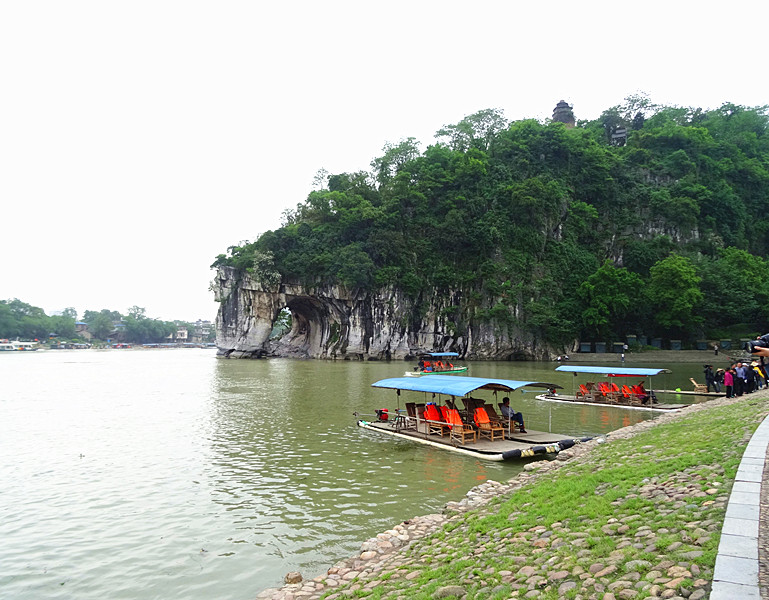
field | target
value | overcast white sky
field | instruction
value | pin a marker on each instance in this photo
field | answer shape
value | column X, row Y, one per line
column 140, row 139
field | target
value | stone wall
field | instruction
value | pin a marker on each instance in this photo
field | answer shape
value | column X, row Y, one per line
column 334, row 322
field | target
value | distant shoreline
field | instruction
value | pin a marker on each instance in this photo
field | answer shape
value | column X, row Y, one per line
column 656, row 356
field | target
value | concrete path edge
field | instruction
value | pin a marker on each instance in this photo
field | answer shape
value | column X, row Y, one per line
column 737, row 561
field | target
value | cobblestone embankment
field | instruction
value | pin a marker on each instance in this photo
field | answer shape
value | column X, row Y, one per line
column 400, row 555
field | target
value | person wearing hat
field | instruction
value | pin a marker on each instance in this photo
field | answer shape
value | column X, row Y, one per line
column 710, row 379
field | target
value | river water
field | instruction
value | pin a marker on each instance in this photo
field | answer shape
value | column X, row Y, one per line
column 171, row 474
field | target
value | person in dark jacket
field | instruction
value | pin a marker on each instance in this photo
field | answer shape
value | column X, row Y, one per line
column 510, row 414
column 750, row 379
column 710, row 379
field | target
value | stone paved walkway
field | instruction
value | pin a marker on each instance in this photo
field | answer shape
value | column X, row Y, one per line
column 741, row 566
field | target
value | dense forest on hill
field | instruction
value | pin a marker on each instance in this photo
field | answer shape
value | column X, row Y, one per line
column 649, row 220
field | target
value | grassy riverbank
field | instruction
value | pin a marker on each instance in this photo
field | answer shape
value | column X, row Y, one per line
column 639, row 516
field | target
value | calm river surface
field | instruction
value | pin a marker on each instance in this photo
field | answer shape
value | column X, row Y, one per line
column 171, row 474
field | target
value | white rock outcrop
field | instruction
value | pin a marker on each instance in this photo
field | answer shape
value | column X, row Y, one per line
column 334, row 322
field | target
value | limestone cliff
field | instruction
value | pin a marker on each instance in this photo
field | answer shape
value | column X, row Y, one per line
column 334, row 322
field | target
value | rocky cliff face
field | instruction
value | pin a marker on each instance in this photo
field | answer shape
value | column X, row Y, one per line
column 334, row 322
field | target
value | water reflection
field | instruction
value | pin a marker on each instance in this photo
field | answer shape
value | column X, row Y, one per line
column 304, row 484
column 300, row 479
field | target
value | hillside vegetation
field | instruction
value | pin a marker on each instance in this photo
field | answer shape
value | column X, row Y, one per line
column 565, row 232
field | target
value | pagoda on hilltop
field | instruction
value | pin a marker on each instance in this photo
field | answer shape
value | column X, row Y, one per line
column 563, row 114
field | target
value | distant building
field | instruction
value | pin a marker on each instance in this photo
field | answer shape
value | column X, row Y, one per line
column 81, row 328
column 119, row 332
column 180, row 336
column 203, row 331
column 619, row 136
column 562, row 113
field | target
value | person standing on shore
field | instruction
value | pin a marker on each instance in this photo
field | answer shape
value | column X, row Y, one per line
column 715, row 349
column 739, row 379
column 750, row 379
column 729, row 382
column 710, row 378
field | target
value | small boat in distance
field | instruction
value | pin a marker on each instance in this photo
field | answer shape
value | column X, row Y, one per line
column 436, row 363
column 448, row 417
column 620, row 388
column 17, row 346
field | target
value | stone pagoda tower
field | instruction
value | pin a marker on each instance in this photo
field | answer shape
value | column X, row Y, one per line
column 563, row 114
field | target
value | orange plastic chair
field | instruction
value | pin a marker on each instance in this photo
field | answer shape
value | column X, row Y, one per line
column 607, row 392
column 459, row 430
column 435, row 423
column 485, row 427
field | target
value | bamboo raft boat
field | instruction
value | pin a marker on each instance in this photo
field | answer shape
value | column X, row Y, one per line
column 633, row 397
column 439, row 423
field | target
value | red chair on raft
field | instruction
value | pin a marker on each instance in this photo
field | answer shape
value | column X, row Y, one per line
column 435, row 422
column 487, row 428
column 459, row 431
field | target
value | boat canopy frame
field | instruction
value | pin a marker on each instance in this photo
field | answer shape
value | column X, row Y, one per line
column 612, row 371
column 457, row 385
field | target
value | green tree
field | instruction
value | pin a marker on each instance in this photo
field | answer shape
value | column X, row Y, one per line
column 31, row 321
column 474, row 131
column 63, row 326
column 674, row 296
column 142, row 330
column 609, row 296
column 735, row 287
column 137, row 312
column 101, row 324
column 354, row 267
column 9, row 323
column 112, row 315
column 395, row 158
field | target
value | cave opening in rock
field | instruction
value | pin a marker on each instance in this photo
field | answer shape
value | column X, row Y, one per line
column 300, row 323
column 282, row 324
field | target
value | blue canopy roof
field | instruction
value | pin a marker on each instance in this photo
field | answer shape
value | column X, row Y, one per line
column 438, row 354
column 612, row 371
column 456, row 385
